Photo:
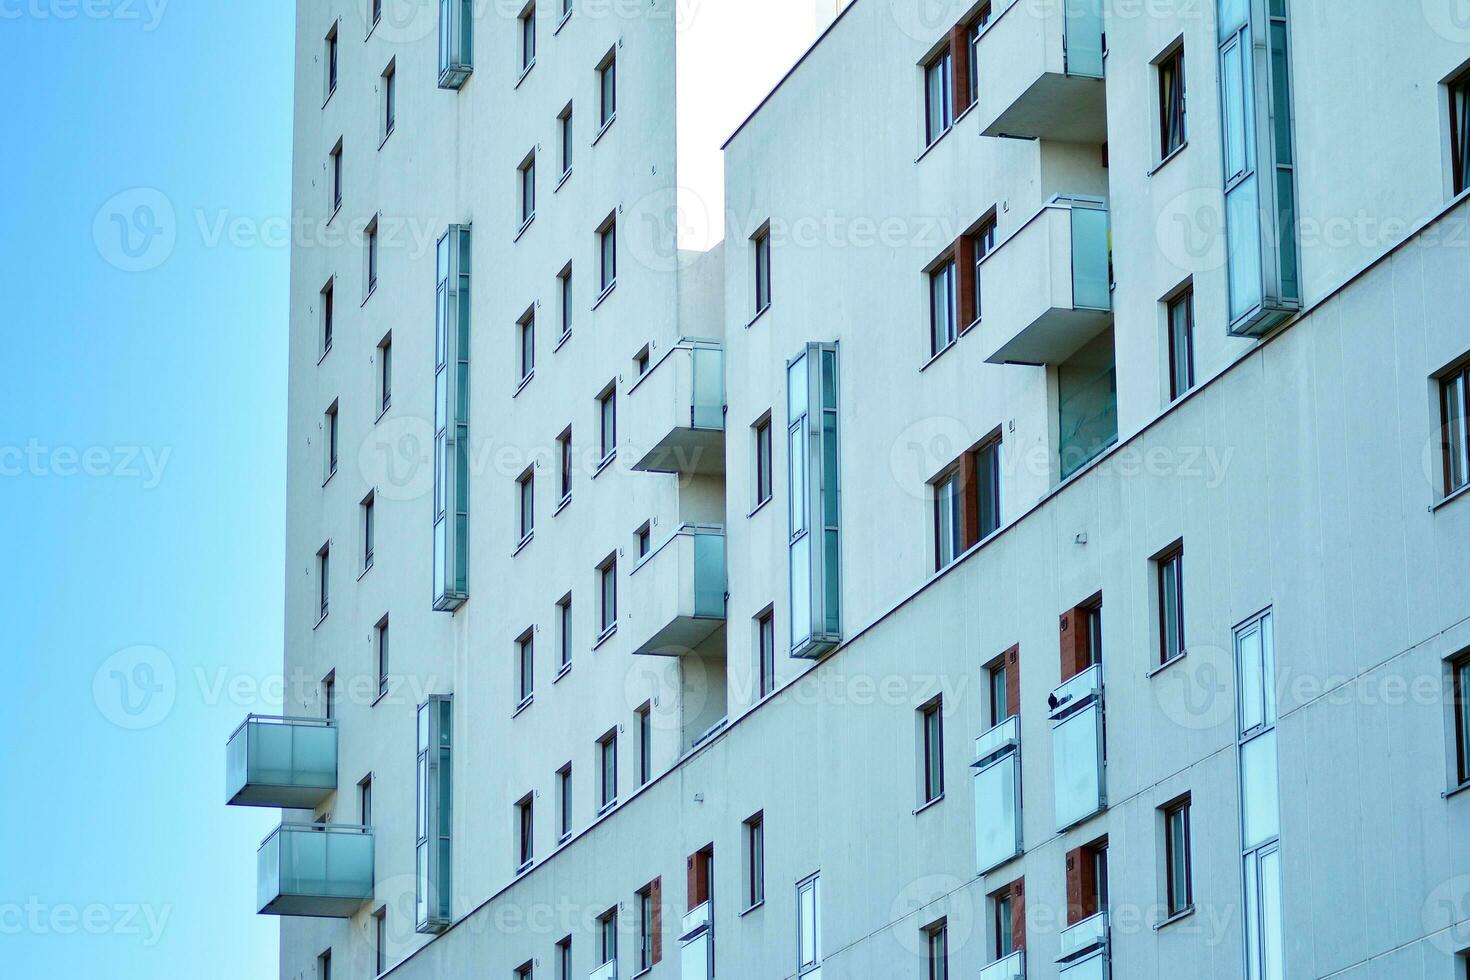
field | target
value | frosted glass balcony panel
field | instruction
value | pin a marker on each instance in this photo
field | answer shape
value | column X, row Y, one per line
column 1040, row 72
column 323, row 870
column 677, row 595
column 289, row 763
column 674, row 418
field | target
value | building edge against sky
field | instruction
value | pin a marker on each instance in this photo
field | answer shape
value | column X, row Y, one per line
column 1008, row 551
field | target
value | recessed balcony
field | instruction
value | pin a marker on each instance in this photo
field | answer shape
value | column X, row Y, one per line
column 1041, row 72
column 1047, row 289
column 1012, row 967
column 315, row 869
column 281, row 762
column 678, row 592
column 675, row 415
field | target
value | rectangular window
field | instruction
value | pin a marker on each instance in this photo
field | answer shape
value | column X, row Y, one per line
column 371, row 235
column 982, row 243
column 526, row 661
column 336, row 164
column 390, row 99
column 324, row 966
column 323, row 577
column 451, row 420
column 766, row 652
column 607, row 936
column 329, row 429
column 607, row 250
column 526, row 342
column 367, row 532
column 564, row 800
column 1004, row 927
column 1181, row 343
column 528, row 38
column 1172, row 133
column 1259, row 790
column 435, row 791
column 936, row 943
column 564, row 127
column 931, row 723
column 523, row 972
column 331, row 59
column 647, row 926
column 564, row 282
column 938, row 97
column 942, row 328
column 607, row 574
column 808, row 926
column 380, row 940
column 607, row 753
column 528, row 189
column 456, row 42
column 949, row 521
column 607, row 86
column 525, row 833
column 328, row 315
column 762, row 244
column 385, row 374
column 381, row 647
column 1179, row 888
column 1000, row 704
column 527, row 493
column 564, row 617
column 329, row 696
column 1454, row 407
column 1460, row 131
column 967, row 502
column 645, row 744
column 644, row 539
column 365, row 801
column 814, row 542
column 607, row 412
column 564, row 466
column 1170, row 570
column 763, row 460
column 987, row 478
column 564, row 948
column 1460, row 678
column 755, row 861
column 976, row 28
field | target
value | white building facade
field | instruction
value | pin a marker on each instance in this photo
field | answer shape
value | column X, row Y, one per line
column 1004, row 515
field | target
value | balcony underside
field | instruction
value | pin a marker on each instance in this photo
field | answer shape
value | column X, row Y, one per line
column 1068, row 108
column 686, row 450
column 1052, row 338
column 686, row 636
column 280, row 796
column 314, row 906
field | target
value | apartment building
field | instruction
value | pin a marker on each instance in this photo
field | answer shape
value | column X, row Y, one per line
column 1008, row 503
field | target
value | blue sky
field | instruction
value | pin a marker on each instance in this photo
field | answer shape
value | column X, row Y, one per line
column 142, row 435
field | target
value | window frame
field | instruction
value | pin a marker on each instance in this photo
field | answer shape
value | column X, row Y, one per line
column 564, row 283
column 389, row 118
column 1459, row 667
column 645, row 743
column 1177, row 857
column 1454, row 386
column 1180, row 334
column 567, row 137
column 945, row 271
column 763, row 473
column 332, row 57
column 607, row 90
column 525, row 832
column 607, row 254
column 565, row 626
column 765, row 647
column 382, row 653
column 1170, row 593
column 526, row 504
column 761, row 244
column 328, row 316
column 607, row 762
column 938, row 76
column 526, row 668
column 812, row 883
column 936, row 950
column 755, row 859
column 526, row 345
column 369, row 529
column 527, row 184
column 1458, row 103
column 1173, row 94
column 931, row 755
column 528, row 38
column 385, row 374
column 607, row 422
column 564, row 802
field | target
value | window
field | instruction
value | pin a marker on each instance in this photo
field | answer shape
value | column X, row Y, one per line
column 607, row 574
column 1460, row 683
column 365, row 801
column 967, row 502
column 982, row 243
column 451, row 419
column 607, row 752
column 566, row 9
column 370, row 235
column 641, row 361
column 607, row 935
column 644, row 538
column 526, row 342
column 755, row 860
column 380, row 645
column 607, row 411
column 367, row 532
column 1004, row 927
column 390, row 99
column 564, row 466
column 380, row 940
column 564, row 948
column 336, row 165
column 949, row 522
column 528, row 189
column 936, row 947
column 976, row 28
column 329, row 696
column 808, row 925
column 762, row 243
column 377, row 12
column 564, row 127
column 1172, row 133
column 456, row 42
column 324, row 966
column 564, row 282
column 763, row 460
column 523, row 972
column 1454, row 402
column 329, row 431
column 525, row 833
column 1179, row 889
column 526, row 661
column 938, row 97
column 645, row 744
column 1000, row 701
column 1460, row 131
column 328, row 316
column 385, row 374
column 323, row 577
column 564, row 800
column 766, row 652
column 931, row 724
column 528, row 38
column 1170, row 570
column 649, row 952
column 331, row 59
column 607, row 246
column 564, row 617
column 1181, row 343
column 434, row 791
column 527, row 487
column 942, row 329
column 1260, row 818
column 814, row 541
column 607, row 86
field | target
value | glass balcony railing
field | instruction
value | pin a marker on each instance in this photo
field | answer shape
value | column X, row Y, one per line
column 607, row 971
column 678, row 594
column 1012, row 967
column 696, row 944
column 315, row 869
column 1077, row 748
column 675, row 415
column 281, row 762
column 1084, row 949
column 998, row 795
column 1041, row 72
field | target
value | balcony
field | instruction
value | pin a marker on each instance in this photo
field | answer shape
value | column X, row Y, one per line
column 1041, row 72
column 678, row 593
column 1084, row 950
column 675, row 415
column 696, row 939
column 315, row 869
column 998, row 795
column 607, row 971
column 1078, row 751
column 281, row 762
column 1012, row 967
column 1046, row 290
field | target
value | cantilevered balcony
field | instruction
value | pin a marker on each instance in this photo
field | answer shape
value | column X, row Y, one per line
column 1041, row 72
column 1012, row 967
column 1046, row 290
column 1084, row 950
column 607, row 971
column 678, row 593
column 281, row 762
column 315, row 869
column 675, row 414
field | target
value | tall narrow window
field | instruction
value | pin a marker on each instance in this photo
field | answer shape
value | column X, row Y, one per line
column 526, row 667
column 371, row 257
column 762, row 246
column 329, row 315
column 607, row 752
column 525, row 970
column 526, row 341
column 942, row 328
column 377, row 11
column 1179, row 889
column 931, row 725
column 525, row 833
column 1172, row 133
column 329, row 696
column 564, row 466
column 433, row 815
column 1181, row 343
column 607, row 86
column 367, row 532
column 528, row 38
column 814, row 542
column 649, row 951
column 323, row 579
column 987, row 478
column 1454, row 406
column 564, row 128
column 1460, row 683
column 1170, row 571
column 526, row 487
column 564, row 284
column 329, row 431
column 336, row 165
column 644, row 538
column 564, row 617
column 564, row 948
column 1001, row 904
column 380, row 940
column 755, row 861
column 607, row 575
column 365, row 801
column 1260, row 819
column 949, row 522
column 385, row 374
column 564, row 801
column 936, row 950
column 766, row 652
column 645, row 744
column 1460, row 131
column 763, row 460
column 982, row 243
column 331, row 59
column 324, row 966
column 998, row 678
column 607, row 936
column 607, row 410
column 977, row 27
column 607, row 247
column 528, row 189
column 390, row 99
column 808, row 926
column 451, row 420
column 938, row 97
column 380, row 644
